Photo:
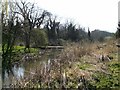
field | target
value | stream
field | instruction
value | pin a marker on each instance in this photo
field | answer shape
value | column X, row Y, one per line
column 26, row 68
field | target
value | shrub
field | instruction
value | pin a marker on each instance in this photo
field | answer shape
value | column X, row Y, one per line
column 61, row 41
column 39, row 37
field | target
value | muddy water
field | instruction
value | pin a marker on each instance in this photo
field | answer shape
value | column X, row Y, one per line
column 26, row 68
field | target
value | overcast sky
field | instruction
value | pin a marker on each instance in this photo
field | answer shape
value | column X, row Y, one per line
column 95, row 14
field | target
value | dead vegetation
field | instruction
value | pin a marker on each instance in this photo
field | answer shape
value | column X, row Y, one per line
column 74, row 62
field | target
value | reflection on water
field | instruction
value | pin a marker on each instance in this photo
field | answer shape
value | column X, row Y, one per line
column 28, row 67
column 0, row 82
column 18, row 71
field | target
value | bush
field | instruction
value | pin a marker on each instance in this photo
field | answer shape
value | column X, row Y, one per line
column 39, row 37
column 61, row 41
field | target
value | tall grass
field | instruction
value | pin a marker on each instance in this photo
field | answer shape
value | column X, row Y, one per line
column 74, row 62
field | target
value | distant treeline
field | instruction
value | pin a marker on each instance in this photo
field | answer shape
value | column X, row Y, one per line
column 33, row 26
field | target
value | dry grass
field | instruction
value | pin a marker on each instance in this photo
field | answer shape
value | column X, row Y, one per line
column 76, row 60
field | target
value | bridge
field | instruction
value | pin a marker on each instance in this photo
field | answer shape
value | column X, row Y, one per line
column 51, row 47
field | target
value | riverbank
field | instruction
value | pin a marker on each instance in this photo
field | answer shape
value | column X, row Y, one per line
column 86, row 65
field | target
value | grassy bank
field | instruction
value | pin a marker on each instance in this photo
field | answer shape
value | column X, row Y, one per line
column 79, row 65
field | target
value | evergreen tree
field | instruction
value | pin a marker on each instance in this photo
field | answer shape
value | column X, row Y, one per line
column 89, row 34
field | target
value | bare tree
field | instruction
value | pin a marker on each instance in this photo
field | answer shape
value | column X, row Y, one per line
column 31, row 17
column 52, row 27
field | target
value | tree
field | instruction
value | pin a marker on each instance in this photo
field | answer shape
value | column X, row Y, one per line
column 118, row 31
column 9, row 35
column 69, row 31
column 52, row 27
column 72, row 32
column 31, row 17
column 89, row 34
column 82, row 34
column 39, row 37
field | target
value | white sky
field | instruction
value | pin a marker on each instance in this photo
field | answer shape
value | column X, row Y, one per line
column 95, row 14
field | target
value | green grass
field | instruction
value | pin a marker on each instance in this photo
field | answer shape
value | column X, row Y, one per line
column 108, row 81
column 114, row 68
column 21, row 49
column 84, row 66
column 33, row 50
column 18, row 52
